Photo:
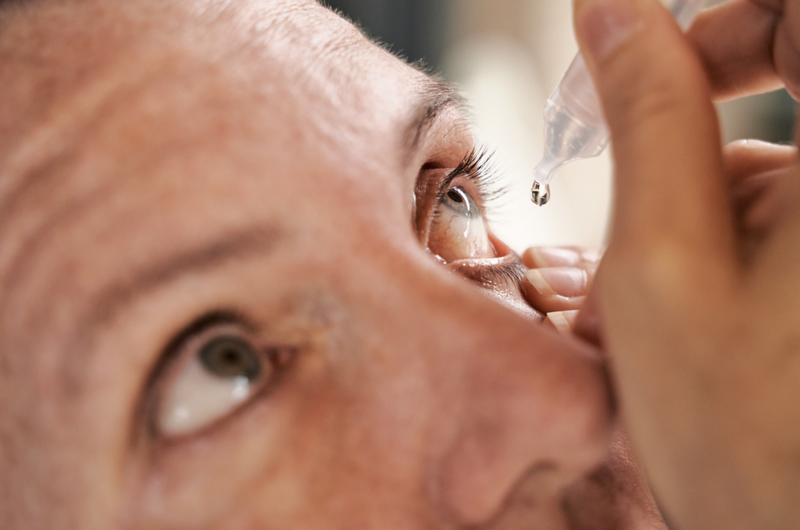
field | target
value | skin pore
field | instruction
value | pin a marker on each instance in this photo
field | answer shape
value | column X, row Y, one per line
column 175, row 173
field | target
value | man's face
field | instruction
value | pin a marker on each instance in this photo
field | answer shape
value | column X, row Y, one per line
column 246, row 284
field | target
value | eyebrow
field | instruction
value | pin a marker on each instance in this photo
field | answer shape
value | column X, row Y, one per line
column 234, row 246
column 437, row 97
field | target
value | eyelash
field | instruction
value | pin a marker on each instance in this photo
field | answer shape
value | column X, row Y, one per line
column 479, row 168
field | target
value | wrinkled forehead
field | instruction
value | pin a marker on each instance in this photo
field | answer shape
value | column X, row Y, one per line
column 70, row 61
column 122, row 118
column 70, row 70
column 151, row 94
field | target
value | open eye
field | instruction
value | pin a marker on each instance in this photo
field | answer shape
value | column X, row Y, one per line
column 215, row 376
column 458, row 230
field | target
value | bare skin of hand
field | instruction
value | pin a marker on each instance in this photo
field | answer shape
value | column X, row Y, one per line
column 557, row 282
column 697, row 301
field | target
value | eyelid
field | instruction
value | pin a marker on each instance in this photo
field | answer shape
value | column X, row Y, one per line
column 492, row 272
column 470, row 169
column 432, row 186
column 479, row 168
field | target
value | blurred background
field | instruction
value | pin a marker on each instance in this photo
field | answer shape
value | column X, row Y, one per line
column 507, row 56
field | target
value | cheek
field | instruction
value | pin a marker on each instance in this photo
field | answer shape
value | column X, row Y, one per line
column 206, row 482
column 256, row 462
column 455, row 237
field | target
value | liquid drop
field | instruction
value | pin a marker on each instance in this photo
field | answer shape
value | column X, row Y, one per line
column 540, row 195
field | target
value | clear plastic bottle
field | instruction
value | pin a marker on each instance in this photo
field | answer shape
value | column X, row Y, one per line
column 574, row 127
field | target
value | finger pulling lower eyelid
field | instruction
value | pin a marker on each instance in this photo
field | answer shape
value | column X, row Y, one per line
column 563, row 321
column 561, row 281
column 552, row 257
column 591, row 255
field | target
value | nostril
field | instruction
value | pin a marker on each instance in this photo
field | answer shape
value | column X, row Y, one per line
column 492, row 463
column 524, row 414
column 521, row 445
column 472, row 497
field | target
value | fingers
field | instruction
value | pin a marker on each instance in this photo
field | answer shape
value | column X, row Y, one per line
column 750, row 46
column 558, row 288
column 755, row 170
column 744, row 159
column 541, row 257
column 561, row 321
column 735, row 41
column 557, row 284
column 558, row 278
column 670, row 191
column 786, row 45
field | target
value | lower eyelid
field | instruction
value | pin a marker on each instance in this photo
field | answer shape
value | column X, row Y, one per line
column 491, row 272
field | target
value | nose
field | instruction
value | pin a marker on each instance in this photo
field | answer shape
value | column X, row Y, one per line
column 521, row 407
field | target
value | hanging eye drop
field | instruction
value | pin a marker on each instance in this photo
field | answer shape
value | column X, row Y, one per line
column 574, row 127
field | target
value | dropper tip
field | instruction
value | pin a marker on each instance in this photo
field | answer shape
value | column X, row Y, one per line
column 542, row 173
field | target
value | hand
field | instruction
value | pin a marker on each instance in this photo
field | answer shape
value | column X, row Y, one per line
column 558, row 280
column 698, row 297
column 750, row 46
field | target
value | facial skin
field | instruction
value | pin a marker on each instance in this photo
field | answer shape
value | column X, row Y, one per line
column 176, row 172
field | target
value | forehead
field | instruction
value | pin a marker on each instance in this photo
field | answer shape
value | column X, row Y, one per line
column 135, row 128
column 69, row 65
column 155, row 95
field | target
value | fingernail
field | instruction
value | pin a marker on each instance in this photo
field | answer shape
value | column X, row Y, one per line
column 562, row 320
column 604, row 25
column 591, row 255
column 555, row 256
column 560, row 281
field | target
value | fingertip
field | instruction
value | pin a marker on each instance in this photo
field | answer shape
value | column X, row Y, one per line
column 541, row 257
column 557, row 289
column 561, row 321
column 745, row 158
column 602, row 26
column 756, row 146
column 568, row 282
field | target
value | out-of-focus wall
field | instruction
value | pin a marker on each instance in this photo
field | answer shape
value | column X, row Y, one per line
column 508, row 56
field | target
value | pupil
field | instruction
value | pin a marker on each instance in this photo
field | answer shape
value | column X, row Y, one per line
column 455, row 196
column 230, row 357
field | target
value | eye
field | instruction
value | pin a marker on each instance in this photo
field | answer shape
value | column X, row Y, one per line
column 215, row 376
column 458, row 230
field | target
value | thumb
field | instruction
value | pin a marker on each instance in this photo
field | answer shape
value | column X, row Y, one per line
column 672, row 258
column 670, row 191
